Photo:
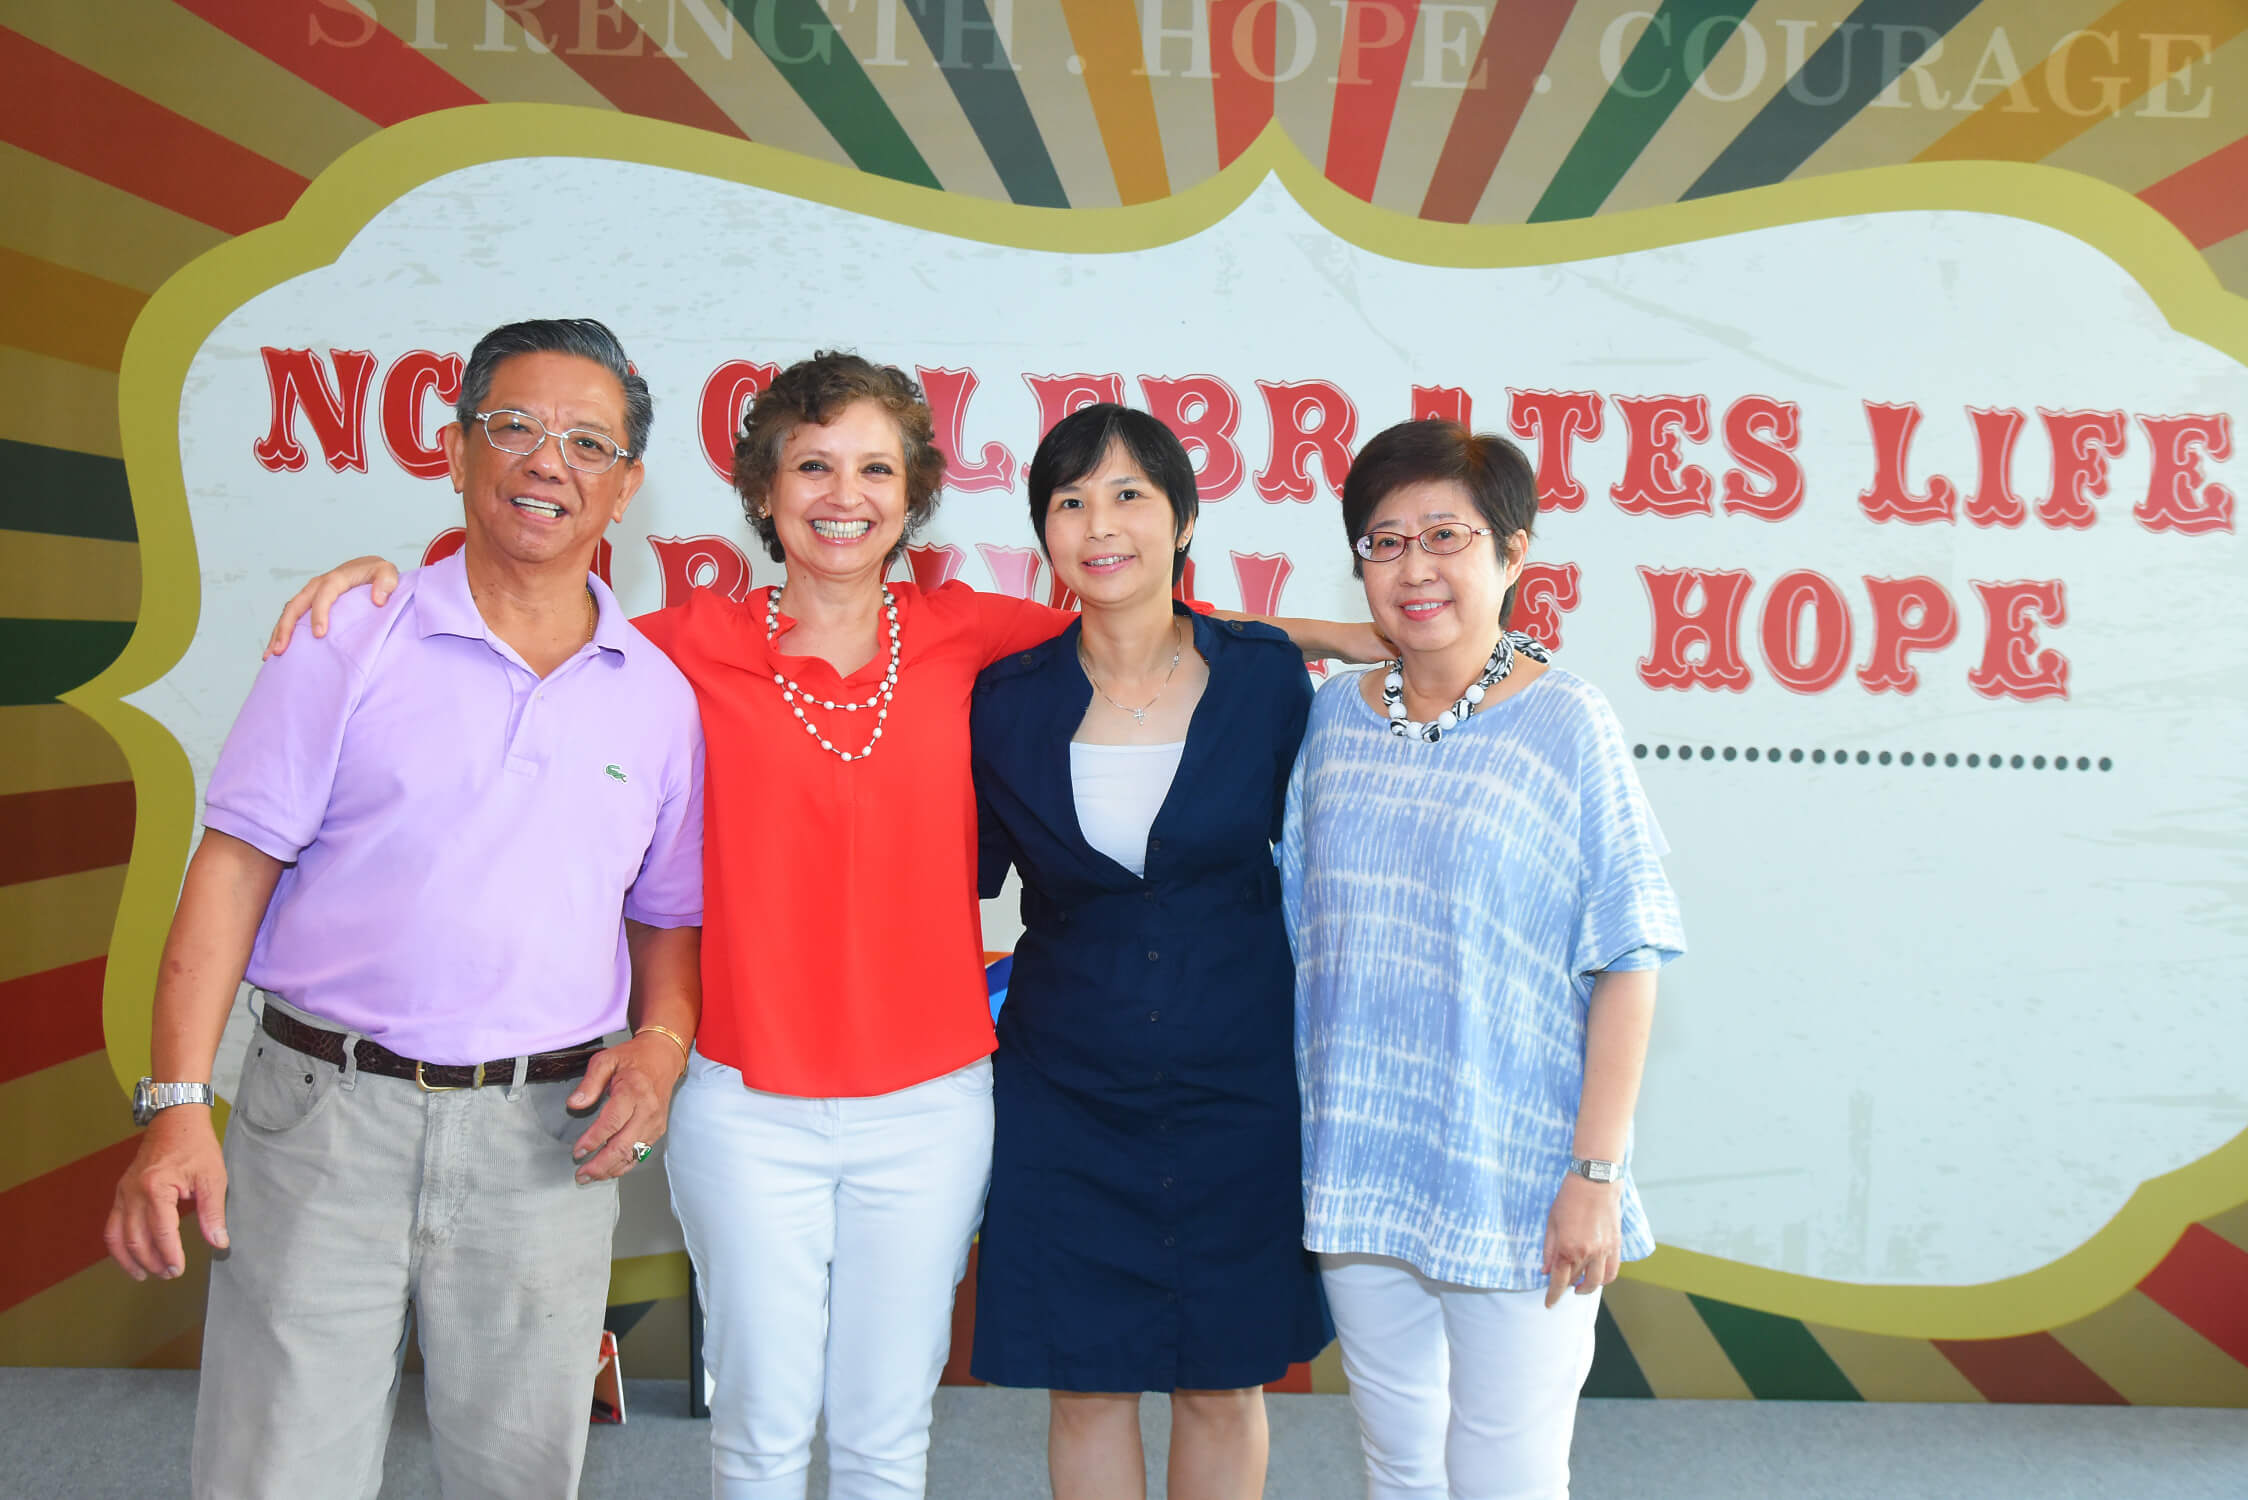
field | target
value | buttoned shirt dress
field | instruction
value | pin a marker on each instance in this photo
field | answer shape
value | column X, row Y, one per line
column 1145, row 1225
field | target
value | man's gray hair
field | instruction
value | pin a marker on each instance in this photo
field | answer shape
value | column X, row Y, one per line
column 584, row 337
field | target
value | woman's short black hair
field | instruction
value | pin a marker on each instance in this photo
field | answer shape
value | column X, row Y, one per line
column 1075, row 446
column 1497, row 476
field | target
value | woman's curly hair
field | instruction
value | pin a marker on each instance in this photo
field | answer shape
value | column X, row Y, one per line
column 817, row 390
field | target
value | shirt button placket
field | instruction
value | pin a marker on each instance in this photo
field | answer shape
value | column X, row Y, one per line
column 519, row 758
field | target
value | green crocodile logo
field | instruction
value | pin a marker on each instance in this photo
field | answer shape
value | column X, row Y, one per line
column 616, row 772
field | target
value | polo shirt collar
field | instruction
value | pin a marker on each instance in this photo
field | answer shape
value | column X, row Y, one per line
column 444, row 606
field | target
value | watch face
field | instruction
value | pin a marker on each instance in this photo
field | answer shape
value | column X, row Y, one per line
column 144, row 1102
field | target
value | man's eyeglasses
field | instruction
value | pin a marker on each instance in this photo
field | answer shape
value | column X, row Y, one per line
column 519, row 432
column 1389, row 546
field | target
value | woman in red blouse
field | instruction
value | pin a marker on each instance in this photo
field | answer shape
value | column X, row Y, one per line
column 832, row 1142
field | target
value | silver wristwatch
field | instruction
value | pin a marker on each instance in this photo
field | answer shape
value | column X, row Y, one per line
column 1597, row 1171
column 150, row 1096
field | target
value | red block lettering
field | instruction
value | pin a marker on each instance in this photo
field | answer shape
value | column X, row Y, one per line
column 1014, row 570
column 2083, row 442
column 726, row 396
column 1204, row 411
column 1262, row 575
column 2178, row 499
column 1797, row 665
column 1761, row 434
column 1909, row 614
column 949, row 392
column 1654, row 481
column 1714, row 627
column 1994, row 502
column 1442, row 403
column 404, row 389
column 935, row 565
column 1890, row 499
column 1542, row 595
column 1309, row 417
column 1059, row 395
column 2012, row 666
column 1556, row 419
column 337, row 409
column 687, row 563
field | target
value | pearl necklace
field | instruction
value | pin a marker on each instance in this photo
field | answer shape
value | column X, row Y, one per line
column 791, row 690
column 1495, row 671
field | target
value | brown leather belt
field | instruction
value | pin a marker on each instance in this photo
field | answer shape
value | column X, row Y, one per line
column 314, row 1041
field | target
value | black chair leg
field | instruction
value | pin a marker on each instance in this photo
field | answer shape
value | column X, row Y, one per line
column 697, row 1404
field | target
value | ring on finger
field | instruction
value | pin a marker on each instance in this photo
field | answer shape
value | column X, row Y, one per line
column 640, row 1151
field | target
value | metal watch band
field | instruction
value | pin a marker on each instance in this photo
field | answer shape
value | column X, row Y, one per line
column 165, row 1095
column 1595, row 1170
column 150, row 1097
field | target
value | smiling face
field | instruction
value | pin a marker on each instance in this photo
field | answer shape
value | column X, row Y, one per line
column 838, row 495
column 1111, row 535
column 532, row 509
column 1434, row 605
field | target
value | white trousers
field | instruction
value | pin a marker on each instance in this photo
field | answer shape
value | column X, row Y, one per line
column 829, row 1236
column 1461, row 1393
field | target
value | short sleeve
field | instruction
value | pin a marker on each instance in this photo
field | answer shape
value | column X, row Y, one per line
column 669, row 890
column 662, row 626
column 271, row 785
column 1629, row 917
column 995, row 852
column 1005, row 625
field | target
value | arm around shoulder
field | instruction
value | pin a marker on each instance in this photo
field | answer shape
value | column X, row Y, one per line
column 319, row 596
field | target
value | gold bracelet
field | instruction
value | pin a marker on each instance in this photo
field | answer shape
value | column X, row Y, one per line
column 676, row 1040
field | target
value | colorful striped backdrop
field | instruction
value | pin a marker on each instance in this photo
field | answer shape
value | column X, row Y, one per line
column 136, row 134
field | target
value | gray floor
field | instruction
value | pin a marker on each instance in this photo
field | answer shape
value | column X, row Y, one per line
column 90, row 1434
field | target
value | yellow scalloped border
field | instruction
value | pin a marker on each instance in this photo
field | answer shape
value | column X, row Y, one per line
column 369, row 177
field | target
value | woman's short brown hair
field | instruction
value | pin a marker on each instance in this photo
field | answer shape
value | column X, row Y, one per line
column 1497, row 476
column 817, row 390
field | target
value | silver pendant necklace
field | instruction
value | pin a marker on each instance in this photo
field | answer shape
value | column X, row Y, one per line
column 1495, row 671
column 1139, row 715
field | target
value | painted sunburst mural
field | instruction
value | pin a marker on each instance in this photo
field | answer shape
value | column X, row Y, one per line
column 137, row 134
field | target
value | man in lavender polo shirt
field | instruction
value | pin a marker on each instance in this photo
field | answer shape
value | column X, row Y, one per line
column 454, row 845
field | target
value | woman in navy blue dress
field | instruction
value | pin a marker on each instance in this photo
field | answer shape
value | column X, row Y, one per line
column 1145, row 1225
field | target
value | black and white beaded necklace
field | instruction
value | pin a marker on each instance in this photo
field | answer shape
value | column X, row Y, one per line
column 1495, row 671
column 792, row 690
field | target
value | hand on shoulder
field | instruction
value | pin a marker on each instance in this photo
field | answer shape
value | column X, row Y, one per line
column 317, row 599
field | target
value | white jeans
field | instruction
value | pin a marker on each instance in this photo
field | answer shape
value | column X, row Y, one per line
column 1461, row 1393
column 829, row 1236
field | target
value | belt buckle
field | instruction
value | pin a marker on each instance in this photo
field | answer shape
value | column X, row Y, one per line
column 445, row 1088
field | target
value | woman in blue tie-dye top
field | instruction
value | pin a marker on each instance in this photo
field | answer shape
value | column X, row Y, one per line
column 1473, row 887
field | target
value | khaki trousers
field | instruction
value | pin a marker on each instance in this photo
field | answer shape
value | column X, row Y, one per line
column 351, row 1197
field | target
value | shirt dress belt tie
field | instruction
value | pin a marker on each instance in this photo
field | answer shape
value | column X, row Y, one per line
column 314, row 1041
column 1260, row 892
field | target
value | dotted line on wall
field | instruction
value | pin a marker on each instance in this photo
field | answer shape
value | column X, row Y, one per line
column 1973, row 760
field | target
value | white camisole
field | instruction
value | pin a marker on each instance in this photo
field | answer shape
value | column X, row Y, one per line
column 1119, row 790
